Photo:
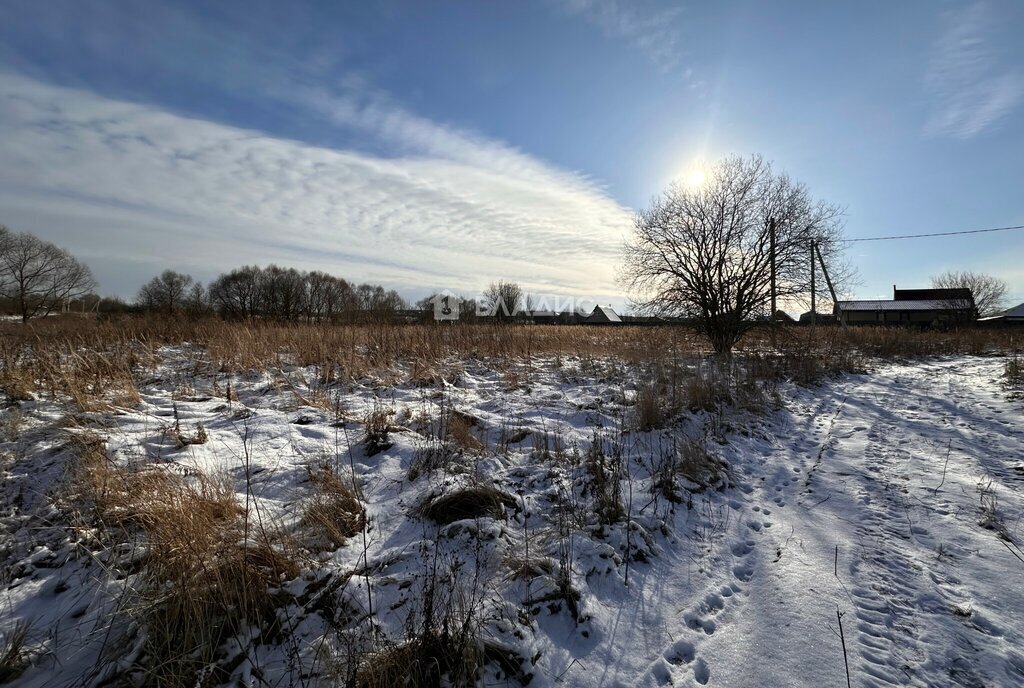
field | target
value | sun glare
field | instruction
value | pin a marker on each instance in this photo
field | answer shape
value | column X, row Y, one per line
column 694, row 178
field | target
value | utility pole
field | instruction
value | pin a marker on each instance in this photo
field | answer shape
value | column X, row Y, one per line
column 814, row 313
column 831, row 288
column 771, row 249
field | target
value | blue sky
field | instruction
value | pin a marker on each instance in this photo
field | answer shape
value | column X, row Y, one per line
column 445, row 144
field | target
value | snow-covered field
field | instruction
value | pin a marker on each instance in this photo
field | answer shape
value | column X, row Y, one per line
column 894, row 498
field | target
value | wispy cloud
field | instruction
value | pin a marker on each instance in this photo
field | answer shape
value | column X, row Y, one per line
column 127, row 184
column 972, row 92
column 654, row 32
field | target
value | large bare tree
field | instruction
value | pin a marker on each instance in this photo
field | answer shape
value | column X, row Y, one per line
column 38, row 277
column 704, row 252
column 167, row 292
column 504, row 300
column 989, row 292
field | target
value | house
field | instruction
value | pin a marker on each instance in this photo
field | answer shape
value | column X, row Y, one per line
column 817, row 318
column 1010, row 317
column 555, row 317
column 603, row 315
column 918, row 307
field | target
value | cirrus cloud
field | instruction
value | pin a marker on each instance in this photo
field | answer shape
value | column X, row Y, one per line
column 128, row 185
column 971, row 92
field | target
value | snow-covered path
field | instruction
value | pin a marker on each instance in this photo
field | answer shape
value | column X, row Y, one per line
column 852, row 506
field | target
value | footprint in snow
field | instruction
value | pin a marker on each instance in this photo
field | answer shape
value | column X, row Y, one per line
column 741, row 549
column 701, row 672
column 743, row 573
column 681, row 652
column 698, row 623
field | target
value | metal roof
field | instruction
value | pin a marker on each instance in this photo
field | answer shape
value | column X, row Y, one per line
column 604, row 314
column 1014, row 313
column 887, row 305
column 956, row 294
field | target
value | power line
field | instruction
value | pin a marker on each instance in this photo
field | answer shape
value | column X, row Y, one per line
column 933, row 234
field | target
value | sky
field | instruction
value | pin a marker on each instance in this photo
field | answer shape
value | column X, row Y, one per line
column 445, row 145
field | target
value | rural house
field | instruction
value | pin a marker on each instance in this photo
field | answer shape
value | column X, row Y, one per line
column 918, row 307
column 1011, row 316
column 603, row 315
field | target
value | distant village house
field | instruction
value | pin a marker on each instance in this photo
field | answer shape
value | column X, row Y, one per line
column 912, row 307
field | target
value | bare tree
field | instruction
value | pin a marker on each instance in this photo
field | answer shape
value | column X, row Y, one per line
column 989, row 293
column 282, row 293
column 39, row 277
column 503, row 300
column 236, row 294
column 197, row 302
column 705, row 252
column 166, row 292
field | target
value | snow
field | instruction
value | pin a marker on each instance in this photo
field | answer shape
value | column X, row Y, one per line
column 864, row 496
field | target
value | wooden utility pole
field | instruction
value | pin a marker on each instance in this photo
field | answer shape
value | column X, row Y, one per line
column 771, row 249
column 828, row 281
column 814, row 313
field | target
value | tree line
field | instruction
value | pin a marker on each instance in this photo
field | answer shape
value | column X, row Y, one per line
column 271, row 292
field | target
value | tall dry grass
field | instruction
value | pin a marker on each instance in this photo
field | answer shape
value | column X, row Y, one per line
column 98, row 363
column 200, row 569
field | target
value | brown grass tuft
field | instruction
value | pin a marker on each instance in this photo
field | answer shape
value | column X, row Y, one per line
column 476, row 501
column 207, row 571
column 427, row 660
column 15, row 656
column 650, row 407
column 334, row 513
column 700, row 467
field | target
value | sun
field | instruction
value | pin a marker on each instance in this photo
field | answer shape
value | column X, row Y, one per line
column 694, row 178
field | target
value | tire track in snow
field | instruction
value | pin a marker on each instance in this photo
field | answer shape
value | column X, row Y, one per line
column 895, row 594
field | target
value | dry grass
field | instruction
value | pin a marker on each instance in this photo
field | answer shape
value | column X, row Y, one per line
column 1014, row 371
column 437, row 658
column 650, row 409
column 604, row 482
column 476, row 501
column 334, row 513
column 206, row 571
column 377, row 425
column 699, row 466
column 15, row 656
column 98, row 363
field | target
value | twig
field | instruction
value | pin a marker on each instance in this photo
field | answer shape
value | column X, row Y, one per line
column 835, row 568
column 1011, row 551
column 558, row 679
column 944, row 466
column 821, row 502
column 842, row 639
